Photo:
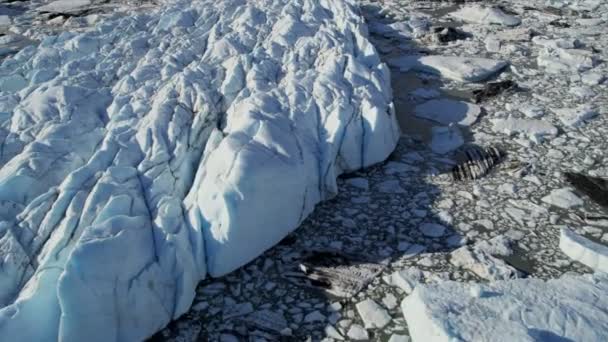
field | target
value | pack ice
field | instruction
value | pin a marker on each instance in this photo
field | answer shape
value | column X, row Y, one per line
column 160, row 147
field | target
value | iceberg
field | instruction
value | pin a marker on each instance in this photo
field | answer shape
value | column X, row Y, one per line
column 163, row 147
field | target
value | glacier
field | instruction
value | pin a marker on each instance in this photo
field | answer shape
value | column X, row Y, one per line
column 160, row 148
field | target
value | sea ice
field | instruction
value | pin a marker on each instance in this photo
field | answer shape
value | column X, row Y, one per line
column 463, row 69
column 432, row 229
column 482, row 263
column 485, row 15
column 372, row 314
column 575, row 117
column 535, row 129
column 584, row 251
column 571, row 308
column 445, row 111
column 446, row 139
column 563, row 198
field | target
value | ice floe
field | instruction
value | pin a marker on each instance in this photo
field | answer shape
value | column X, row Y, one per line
column 563, row 198
column 585, row 251
column 485, row 15
column 569, row 308
column 445, row 139
column 445, row 111
column 464, row 69
column 534, row 129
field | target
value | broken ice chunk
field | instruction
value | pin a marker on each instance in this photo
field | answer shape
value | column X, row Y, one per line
column 584, row 251
column 372, row 314
column 575, row 117
column 563, row 198
column 432, row 229
column 445, row 139
column 566, row 60
column 463, row 69
column 425, row 93
column 445, row 111
column 478, row 261
column 477, row 14
column 535, row 129
column 531, row 111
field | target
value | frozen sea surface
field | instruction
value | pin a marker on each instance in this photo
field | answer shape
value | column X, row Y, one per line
column 155, row 149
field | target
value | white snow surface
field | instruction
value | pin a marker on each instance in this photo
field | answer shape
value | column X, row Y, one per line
column 571, row 308
column 583, row 250
column 160, row 147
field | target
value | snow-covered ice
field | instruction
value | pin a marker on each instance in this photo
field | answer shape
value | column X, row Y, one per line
column 572, row 308
column 485, row 15
column 160, row 147
column 583, row 250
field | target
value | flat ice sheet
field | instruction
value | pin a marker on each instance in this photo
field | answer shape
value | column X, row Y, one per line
column 571, row 308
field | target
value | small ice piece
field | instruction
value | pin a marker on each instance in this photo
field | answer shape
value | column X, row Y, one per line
column 583, row 250
column 399, row 338
column 425, row 93
column 575, row 117
column 477, row 14
column 358, row 182
column 532, row 111
column 390, row 187
column 592, row 78
column 372, row 314
column 561, row 43
column 406, row 279
column 432, row 229
column 563, row 198
column 413, row 250
column 493, row 44
column 357, row 333
column 332, row 332
column 571, row 308
column 445, row 111
column 557, row 61
column 534, row 129
column 463, row 69
column 482, row 264
column 64, row 6
column 5, row 20
column 315, row 316
column 446, row 139
column 522, row 34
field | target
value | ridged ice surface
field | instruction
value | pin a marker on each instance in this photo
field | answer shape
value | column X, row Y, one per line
column 141, row 156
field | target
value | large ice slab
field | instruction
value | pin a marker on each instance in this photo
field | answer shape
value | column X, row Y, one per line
column 583, row 250
column 463, row 69
column 160, row 147
column 571, row 308
column 485, row 15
